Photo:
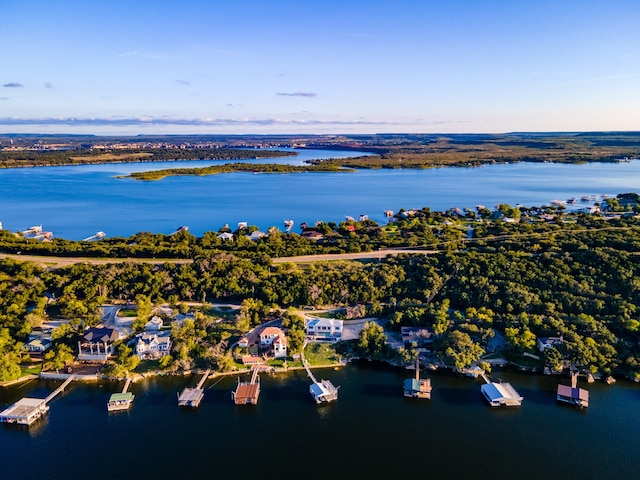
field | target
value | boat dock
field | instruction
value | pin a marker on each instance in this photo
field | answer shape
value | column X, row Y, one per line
column 247, row 393
column 500, row 394
column 27, row 410
column 191, row 397
column 573, row 395
column 121, row 401
column 417, row 387
column 322, row 391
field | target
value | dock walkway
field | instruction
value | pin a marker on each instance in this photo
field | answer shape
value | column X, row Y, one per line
column 27, row 410
column 323, row 390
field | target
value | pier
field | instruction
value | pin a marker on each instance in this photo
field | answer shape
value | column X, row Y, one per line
column 27, row 410
column 247, row 393
column 191, row 397
column 322, row 391
column 121, row 401
column 417, row 387
column 573, row 395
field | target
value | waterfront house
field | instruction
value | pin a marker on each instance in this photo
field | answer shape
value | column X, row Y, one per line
column 39, row 340
column 421, row 337
column 324, row 329
column 226, row 236
column 153, row 345
column 275, row 340
column 97, row 344
column 548, row 342
column 38, row 345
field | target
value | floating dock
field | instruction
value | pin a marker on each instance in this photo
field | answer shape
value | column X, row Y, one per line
column 247, row 393
column 121, row 401
column 417, row 387
column 191, row 397
column 27, row 410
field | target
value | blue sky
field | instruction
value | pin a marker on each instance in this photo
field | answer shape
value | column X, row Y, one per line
column 349, row 66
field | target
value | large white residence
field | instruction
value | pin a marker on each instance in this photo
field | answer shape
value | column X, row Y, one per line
column 324, row 329
column 153, row 345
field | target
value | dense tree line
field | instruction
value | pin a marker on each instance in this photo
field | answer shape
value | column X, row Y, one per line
column 79, row 156
column 577, row 279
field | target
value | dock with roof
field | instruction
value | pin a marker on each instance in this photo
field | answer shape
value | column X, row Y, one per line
column 247, row 393
column 190, row 396
column 27, row 410
column 121, row 401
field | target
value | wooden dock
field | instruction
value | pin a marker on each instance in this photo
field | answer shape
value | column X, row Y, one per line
column 191, row 397
column 247, row 393
column 60, row 389
column 27, row 410
column 121, row 401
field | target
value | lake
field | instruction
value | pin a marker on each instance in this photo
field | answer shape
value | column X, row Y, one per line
column 76, row 201
column 372, row 431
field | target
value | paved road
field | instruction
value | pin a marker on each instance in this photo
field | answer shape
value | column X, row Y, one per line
column 66, row 261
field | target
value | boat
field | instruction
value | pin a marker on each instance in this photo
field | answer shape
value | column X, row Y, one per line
column 572, row 200
column 95, row 236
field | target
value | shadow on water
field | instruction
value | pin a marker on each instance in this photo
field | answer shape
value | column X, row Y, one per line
column 457, row 396
column 381, row 390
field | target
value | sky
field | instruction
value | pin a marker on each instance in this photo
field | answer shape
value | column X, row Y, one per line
column 333, row 66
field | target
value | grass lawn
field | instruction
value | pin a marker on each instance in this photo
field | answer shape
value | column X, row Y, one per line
column 322, row 354
column 31, row 370
column 127, row 312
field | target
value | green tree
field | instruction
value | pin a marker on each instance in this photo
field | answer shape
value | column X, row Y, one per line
column 124, row 361
column 459, row 350
column 372, row 341
column 58, row 357
column 294, row 325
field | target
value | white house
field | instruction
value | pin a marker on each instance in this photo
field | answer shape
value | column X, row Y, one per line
column 324, row 329
column 548, row 342
column 274, row 338
column 153, row 345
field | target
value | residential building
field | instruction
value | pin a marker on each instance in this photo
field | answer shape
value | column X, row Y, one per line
column 153, row 345
column 324, row 329
column 548, row 342
column 97, row 344
column 275, row 340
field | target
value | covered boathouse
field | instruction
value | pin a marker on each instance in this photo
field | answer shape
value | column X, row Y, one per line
column 501, row 395
column 25, row 411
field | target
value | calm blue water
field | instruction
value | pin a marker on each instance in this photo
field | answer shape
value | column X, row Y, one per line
column 371, row 432
column 75, row 202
